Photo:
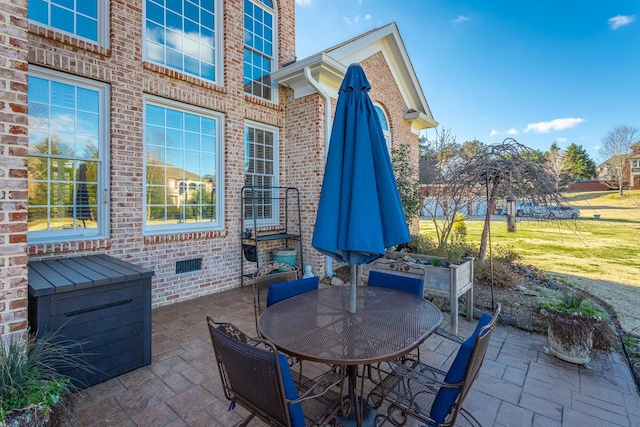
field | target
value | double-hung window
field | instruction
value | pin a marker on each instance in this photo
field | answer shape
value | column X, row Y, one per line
column 86, row 19
column 259, row 49
column 261, row 170
column 68, row 157
column 185, row 35
column 184, row 173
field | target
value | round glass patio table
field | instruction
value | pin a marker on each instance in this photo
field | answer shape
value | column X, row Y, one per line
column 318, row 326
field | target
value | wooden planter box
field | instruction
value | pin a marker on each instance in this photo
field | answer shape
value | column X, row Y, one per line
column 448, row 282
column 100, row 301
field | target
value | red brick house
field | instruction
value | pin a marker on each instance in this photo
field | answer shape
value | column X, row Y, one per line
column 145, row 107
column 631, row 178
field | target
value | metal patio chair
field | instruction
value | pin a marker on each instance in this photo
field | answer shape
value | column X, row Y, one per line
column 415, row 389
column 412, row 285
column 255, row 376
column 280, row 291
column 268, row 274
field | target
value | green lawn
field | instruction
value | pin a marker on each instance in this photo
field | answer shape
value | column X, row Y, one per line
column 602, row 256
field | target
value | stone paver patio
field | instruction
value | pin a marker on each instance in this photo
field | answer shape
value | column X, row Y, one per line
column 518, row 385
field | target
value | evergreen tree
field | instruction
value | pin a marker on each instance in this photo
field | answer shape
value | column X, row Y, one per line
column 578, row 162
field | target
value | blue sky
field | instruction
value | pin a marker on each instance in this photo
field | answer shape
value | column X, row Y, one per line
column 565, row 71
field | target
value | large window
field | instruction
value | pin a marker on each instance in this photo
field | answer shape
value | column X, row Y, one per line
column 68, row 157
column 261, row 168
column 259, row 51
column 183, row 167
column 82, row 18
column 185, row 35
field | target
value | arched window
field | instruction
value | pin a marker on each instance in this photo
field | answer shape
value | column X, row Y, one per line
column 384, row 123
column 259, row 47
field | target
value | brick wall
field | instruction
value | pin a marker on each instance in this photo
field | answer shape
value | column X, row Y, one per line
column 13, row 168
column 129, row 77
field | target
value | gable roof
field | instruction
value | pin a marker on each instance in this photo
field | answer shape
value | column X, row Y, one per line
column 327, row 69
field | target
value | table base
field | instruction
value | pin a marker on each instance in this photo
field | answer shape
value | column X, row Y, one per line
column 368, row 416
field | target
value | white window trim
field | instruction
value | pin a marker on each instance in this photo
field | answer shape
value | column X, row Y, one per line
column 219, row 46
column 275, row 96
column 102, row 194
column 103, row 26
column 386, row 133
column 248, row 223
column 220, row 185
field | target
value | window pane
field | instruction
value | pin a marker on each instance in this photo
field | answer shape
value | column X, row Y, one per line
column 86, row 7
column 65, row 160
column 258, row 55
column 180, row 180
column 259, row 164
column 87, row 27
column 38, row 11
column 186, row 40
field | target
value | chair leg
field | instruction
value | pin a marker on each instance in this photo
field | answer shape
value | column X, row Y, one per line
column 246, row 421
column 470, row 418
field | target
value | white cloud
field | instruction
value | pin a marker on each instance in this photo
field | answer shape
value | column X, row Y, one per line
column 303, row 2
column 460, row 19
column 357, row 20
column 620, row 21
column 562, row 140
column 556, row 124
column 511, row 131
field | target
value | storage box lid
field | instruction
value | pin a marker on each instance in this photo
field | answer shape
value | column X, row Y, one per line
column 67, row 274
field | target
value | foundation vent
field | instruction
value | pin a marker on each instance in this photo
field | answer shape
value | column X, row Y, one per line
column 188, row 265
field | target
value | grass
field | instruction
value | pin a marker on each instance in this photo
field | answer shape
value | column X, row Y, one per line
column 601, row 256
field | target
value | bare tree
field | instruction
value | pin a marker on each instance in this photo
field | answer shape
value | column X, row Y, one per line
column 462, row 175
column 512, row 168
column 615, row 151
column 448, row 189
column 556, row 167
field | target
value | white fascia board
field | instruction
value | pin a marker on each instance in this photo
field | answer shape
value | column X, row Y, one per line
column 328, row 72
column 387, row 40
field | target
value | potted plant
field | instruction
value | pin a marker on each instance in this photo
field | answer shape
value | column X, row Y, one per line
column 30, row 386
column 575, row 326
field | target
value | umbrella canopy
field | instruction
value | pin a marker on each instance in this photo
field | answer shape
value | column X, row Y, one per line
column 360, row 212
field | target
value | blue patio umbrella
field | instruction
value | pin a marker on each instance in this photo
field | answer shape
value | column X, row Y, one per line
column 359, row 212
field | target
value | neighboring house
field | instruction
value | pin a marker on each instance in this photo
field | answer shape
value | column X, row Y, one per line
column 631, row 179
column 162, row 112
column 634, row 167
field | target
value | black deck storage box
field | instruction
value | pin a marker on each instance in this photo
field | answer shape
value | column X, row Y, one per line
column 101, row 301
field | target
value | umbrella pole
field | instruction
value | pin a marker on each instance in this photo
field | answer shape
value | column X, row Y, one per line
column 353, row 284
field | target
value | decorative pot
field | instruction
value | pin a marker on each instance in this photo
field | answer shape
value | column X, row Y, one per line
column 569, row 341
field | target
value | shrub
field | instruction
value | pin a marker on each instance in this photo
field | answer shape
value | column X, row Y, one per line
column 504, row 276
column 419, row 244
column 29, row 377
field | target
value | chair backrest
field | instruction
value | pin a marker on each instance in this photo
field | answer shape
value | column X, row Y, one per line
column 413, row 285
column 464, row 370
column 281, row 291
column 255, row 375
column 268, row 274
